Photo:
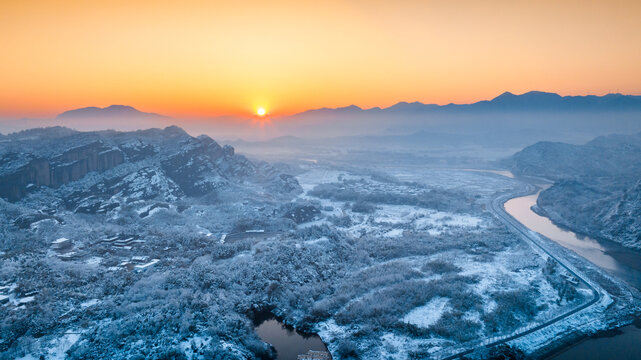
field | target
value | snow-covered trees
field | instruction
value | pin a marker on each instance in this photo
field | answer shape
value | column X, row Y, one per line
column 146, row 281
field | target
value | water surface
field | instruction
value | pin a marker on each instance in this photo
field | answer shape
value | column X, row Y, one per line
column 617, row 260
column 621, row 344
column 288, row 342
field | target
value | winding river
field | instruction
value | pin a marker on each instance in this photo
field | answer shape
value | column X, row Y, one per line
column 620, row 344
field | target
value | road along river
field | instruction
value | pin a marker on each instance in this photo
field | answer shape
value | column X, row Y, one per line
column 516, row 213
column 614, row 258
column 626, row 265
column 497, row 207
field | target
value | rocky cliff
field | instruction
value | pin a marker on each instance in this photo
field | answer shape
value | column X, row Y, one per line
column 158, row 164
column 69, row 166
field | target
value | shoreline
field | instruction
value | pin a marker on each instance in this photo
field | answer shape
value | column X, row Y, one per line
column 622, row 312
column 571, row 342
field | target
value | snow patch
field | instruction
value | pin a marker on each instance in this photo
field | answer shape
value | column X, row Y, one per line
column 93, row 261
column 428, row 314
column 60, row 240
column 192, row 346
column 89, row 303
column 144, row 266
column 394, row 233
column 57, row 348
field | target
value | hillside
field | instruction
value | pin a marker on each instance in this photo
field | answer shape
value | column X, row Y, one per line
column 149, row 164
column 597, row 185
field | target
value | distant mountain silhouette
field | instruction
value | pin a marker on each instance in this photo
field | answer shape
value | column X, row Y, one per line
column 410, row 107
column 110, row 111
column 530, row 101
column 544, row 101
column 351, row 109
column 117, row 117
column 531, row 116
column 517, row 119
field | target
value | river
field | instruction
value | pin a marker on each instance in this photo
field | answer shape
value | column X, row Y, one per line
column 620, row 344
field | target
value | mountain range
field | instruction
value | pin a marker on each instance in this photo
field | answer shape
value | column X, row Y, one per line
column 530, row 101
column 526, row 118
column 503, row 125
column 532, row 112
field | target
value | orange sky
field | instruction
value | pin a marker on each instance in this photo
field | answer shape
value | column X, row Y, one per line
column 204, row 58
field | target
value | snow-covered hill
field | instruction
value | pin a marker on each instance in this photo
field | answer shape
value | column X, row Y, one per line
column 597, row 187
column 89, row 168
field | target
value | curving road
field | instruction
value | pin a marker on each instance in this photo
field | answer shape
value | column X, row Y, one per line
column 496, row 206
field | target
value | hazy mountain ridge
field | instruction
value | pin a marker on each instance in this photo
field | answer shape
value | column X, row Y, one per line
column 532, row 100
column 109, row 111
column 116, row 117
column 524, row 118
column 597, row 188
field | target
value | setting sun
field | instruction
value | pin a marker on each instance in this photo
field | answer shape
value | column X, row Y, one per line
column 338, row 179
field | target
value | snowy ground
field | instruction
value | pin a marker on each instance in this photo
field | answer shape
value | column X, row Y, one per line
column 395, row 280
column 510, row 267
column 427, row 315
column 55, row 349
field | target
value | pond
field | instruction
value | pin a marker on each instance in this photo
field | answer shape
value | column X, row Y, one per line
column 287, row 341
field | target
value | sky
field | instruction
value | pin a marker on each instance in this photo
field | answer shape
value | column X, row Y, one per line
column 199, row 59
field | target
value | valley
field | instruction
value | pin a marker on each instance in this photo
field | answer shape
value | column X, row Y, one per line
column 171, row 252
column 320, row 180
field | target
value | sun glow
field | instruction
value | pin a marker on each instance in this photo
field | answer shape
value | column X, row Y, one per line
column 261, row 111
column 335, row 52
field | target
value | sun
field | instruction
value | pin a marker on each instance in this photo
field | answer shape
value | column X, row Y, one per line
column 261, row 111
